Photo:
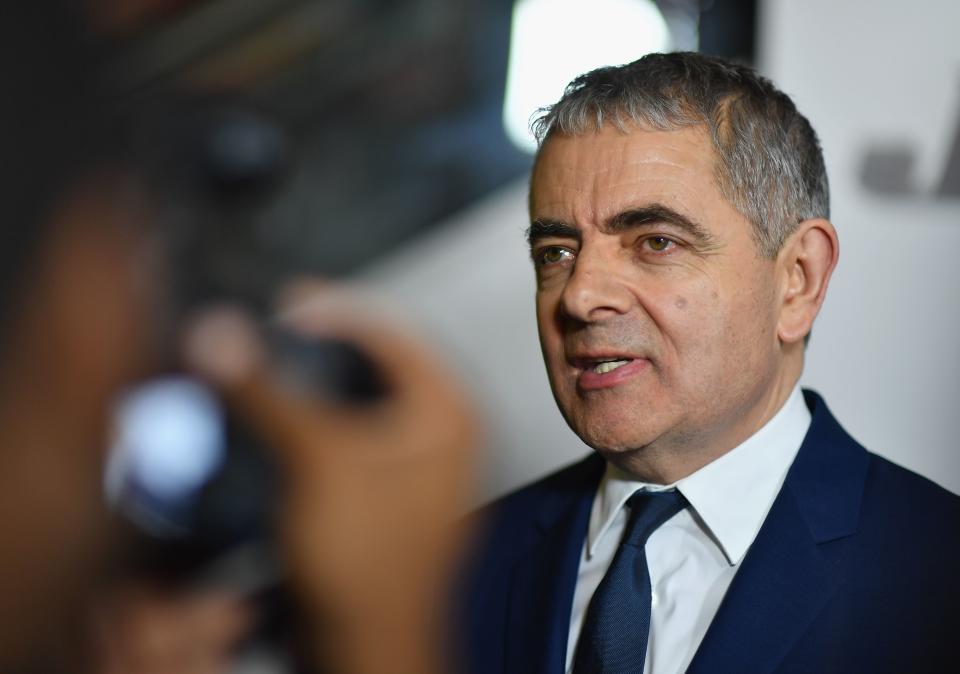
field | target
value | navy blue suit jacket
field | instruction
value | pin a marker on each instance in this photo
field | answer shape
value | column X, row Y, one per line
column 855, row 569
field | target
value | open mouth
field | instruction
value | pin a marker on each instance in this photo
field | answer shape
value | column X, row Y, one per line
column 606, row 371
column 605, row 366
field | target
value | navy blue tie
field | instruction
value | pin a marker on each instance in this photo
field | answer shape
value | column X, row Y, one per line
column 614, row 635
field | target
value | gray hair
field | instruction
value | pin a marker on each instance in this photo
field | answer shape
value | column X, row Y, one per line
column 770, row 164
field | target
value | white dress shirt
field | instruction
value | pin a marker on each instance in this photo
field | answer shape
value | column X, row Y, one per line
column 692, row 557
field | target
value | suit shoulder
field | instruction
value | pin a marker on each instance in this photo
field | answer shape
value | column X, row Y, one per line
column 505, row 531
column 572, row 476
column 505, row 526
column 892, row 482
column 563, row 483
column 906, row 509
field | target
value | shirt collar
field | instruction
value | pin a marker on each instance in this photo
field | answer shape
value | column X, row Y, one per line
column 732, row 494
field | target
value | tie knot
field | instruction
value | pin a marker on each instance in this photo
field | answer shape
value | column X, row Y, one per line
column 648, row 510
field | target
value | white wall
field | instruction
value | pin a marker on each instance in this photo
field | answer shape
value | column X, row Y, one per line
column 885, row 351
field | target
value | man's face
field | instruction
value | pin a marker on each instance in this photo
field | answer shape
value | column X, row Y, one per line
column 643, row 265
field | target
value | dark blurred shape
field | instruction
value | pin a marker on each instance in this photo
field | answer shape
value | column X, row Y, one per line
column 241, row 153
column 950, row 182
column 888, row 170
column 393, row 110
column 73, row 320
column 728, row 28
column 82, row 290
column 683, row 21
column 193, row 479
column 52, row 122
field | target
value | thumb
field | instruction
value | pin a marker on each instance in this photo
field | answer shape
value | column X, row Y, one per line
column 223, row 346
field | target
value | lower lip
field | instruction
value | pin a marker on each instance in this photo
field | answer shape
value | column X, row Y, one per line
column 591, row 381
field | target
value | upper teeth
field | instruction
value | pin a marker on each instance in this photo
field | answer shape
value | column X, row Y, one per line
column 609, row 366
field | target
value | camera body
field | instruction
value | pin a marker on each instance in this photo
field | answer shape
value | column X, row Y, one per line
column 192, row 478
column 188, row 476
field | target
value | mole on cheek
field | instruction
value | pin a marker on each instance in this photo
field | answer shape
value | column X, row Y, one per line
column 681, row 302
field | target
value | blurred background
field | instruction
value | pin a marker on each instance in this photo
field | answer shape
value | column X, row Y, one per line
column 405, row 157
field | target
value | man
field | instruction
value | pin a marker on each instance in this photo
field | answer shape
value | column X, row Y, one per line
column 682, row 248
column 79, row 322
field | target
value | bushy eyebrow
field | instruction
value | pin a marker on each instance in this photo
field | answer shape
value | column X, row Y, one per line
column 633, row 218
column 653, row 213
column 542, row 228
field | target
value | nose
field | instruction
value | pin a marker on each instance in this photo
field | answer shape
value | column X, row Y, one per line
column 594, row 291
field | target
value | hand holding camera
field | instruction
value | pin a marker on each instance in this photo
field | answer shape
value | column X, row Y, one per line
column 372, row 492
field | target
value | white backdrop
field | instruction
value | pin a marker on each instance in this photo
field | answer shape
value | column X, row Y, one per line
column 877, row 79
column 873, row 77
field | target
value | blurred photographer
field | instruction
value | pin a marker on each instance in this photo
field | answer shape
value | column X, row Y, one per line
column 369, row 491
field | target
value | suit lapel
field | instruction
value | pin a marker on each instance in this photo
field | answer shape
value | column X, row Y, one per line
column 780, row 587
column 784, row 580
column 543, row 582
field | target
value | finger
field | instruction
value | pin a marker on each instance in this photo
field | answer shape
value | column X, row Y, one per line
column 429, row 413
column 160, row 633
column 223, row 346
column 216, row 622
column 409, row 370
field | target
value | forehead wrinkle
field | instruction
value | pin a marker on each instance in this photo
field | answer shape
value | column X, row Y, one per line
column 620, row 167
column 665, row 180
column 574, row 180
column 588, row 183
column 602, row 209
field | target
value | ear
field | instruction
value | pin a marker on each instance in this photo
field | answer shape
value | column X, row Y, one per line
column 806, row 263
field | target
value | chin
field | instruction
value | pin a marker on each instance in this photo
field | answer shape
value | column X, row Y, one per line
column 615, row 438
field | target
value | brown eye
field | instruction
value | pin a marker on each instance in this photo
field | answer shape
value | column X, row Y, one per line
column 659, row 243
column 553, row 255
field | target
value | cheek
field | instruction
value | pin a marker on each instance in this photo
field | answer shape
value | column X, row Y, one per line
column 685, row 312
column 753, row 310
column 547, row 311
column 707, row 328
column 544, row 325
column 736, row 329
column 548, row 329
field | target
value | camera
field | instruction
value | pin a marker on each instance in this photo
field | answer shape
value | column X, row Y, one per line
column 191, row 480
